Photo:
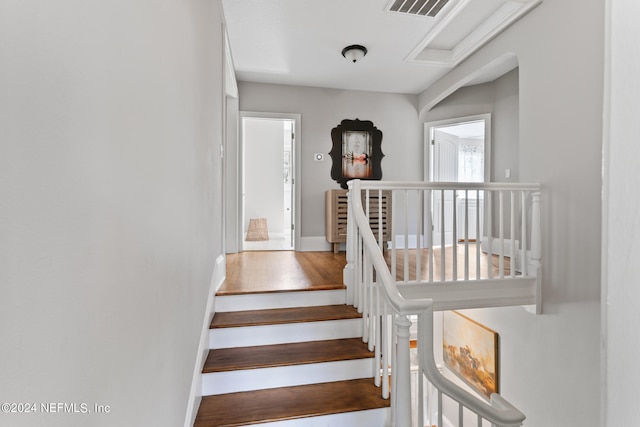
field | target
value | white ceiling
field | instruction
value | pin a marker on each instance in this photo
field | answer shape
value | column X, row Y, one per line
column 299, row 42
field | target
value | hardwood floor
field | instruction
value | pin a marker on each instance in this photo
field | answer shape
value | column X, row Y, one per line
column 277, row 271
column 485, row 264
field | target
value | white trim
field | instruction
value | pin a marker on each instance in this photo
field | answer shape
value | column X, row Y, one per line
column 215, row 383
column 297, row 149
column 195, row 394
column 247, row 336
column 270, row 300
column 488, row 141
column 369, row 418
column 507, row 14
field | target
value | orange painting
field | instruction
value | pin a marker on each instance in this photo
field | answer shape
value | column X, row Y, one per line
column 470, row 350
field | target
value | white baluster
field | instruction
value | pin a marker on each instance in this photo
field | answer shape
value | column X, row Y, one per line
column 512, row 253
column 455, row 236
column 406, row 236
column 536, row 246
column 466, row 235
column 402, row 373
column 523, row 233
column 349, row 269
column 501, row 234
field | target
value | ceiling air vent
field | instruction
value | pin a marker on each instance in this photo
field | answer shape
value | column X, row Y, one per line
column 417, row 7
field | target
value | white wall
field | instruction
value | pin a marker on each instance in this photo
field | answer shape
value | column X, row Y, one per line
column 621, row 243
column 322, row 110
column 500, row 98
column 110, row 204
column 551, row 363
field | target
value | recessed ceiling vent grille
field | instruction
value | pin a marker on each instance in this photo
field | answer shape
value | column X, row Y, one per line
column 417, row 7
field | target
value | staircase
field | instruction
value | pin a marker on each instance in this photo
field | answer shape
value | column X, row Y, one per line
column 291, row 359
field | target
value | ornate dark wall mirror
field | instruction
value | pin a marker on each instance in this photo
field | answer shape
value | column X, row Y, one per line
column 356, row 152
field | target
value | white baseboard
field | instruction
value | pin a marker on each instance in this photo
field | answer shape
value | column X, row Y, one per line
column 195, row 395
column 314, row 244
column 411, row 241
column 495, row 246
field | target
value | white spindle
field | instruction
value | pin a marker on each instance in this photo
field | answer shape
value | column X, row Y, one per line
column 478, row 235
column 535, row 228
column 454, row 249
column 440, row 408
column 403, row 373
column 536, row 247
column 381, row 224
column 394, row 266
column 523, row 235
column 512, row 253
column 442, row 233
column 419, row 245
column 366, row 306
column 429, row 230
column 394, row 368
column 501, row 234
column 359, row 276
column 489, row 220
column 372, row 309
column 386, row 346
column 378, row 337
column 466, row 235
column 406, row 237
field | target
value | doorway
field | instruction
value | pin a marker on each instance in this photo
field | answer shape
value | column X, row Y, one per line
column 268, row 181
column 457, row 150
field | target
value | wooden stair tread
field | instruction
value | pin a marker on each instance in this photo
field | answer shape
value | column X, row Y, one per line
column 283, row 315
column 237, row 409
column 323, row 287
column 232, row 359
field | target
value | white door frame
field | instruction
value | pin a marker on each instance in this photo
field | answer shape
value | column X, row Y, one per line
column 296, row 146
column 427, row 172
column 448, row 122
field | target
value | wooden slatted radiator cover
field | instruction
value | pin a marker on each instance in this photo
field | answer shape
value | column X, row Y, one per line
column 336, row 207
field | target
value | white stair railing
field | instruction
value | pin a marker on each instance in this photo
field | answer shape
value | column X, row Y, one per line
column 387, row 314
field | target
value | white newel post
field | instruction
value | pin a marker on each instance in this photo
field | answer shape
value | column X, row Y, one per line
column 402, row 373
column 536, row 246
column 349, row 269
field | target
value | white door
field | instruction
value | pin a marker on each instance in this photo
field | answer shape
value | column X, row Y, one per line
column 445, row 169
column 456, row 151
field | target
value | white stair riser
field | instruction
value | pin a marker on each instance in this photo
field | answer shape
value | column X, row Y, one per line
column 247, row 336
column 285, row 376
column 225, row 303
column 368, row 418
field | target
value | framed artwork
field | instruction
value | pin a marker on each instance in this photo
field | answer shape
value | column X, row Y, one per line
column 470, row 350
column 356, row 151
